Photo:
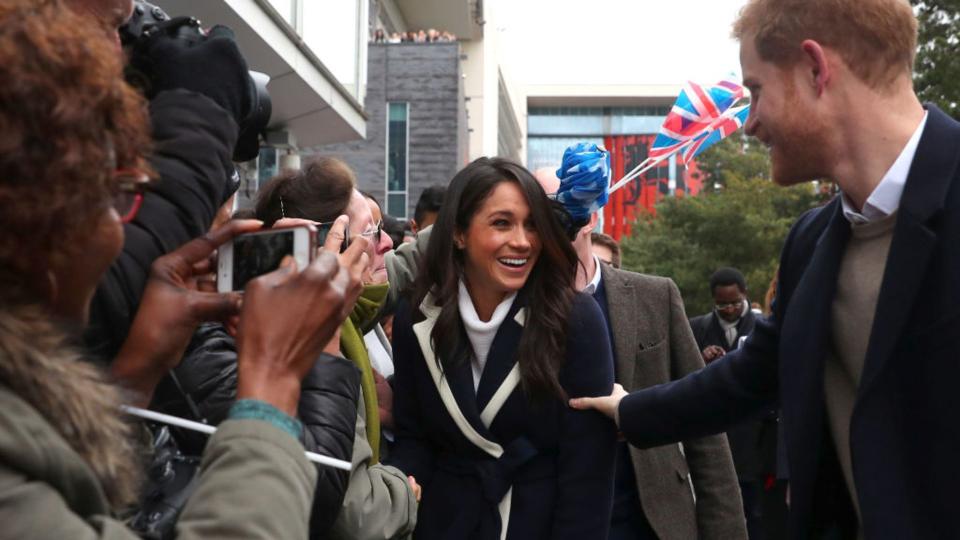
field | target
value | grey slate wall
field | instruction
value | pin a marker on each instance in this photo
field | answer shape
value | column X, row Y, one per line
column 427, row 76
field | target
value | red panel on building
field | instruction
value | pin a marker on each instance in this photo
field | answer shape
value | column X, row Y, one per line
column 640, row 196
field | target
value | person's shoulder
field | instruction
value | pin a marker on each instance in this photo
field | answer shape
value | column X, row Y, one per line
column 584, row 315
column 812, row 223
column 700, row 321
column 649, row 281
column 655, row 289
column 700, row 318
column 587, row 338
column 583, row 304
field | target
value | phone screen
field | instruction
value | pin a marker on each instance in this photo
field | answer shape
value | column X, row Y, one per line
column 258, row 254
column 323, row 229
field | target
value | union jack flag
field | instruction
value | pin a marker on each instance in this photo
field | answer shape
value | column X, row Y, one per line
column 696, row 108
column 729, row 122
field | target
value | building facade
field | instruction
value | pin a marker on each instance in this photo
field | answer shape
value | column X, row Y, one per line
column 416, row 127
column 432, row 107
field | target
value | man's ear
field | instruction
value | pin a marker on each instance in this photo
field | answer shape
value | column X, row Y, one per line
column 817, row 65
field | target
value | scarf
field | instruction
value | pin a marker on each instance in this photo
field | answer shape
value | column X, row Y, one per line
column 363, row 316
column 730, row 328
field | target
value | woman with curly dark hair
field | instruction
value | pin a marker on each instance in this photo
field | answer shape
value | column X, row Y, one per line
column 493, row 343
column 71, row 137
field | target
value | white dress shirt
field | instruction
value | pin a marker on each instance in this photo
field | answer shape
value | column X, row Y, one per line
column 595, row 281
column 885, row 199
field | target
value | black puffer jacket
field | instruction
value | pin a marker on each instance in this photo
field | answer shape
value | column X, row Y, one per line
column 207, row 379
column 193, row 142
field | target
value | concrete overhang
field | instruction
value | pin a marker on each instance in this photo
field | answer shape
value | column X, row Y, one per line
column 602, row 95
column 307, row 99
column 456, row 16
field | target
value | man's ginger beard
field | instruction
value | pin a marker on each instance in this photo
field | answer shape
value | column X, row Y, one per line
column 799, row 151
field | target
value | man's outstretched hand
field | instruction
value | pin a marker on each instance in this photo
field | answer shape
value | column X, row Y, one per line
column 606, row 404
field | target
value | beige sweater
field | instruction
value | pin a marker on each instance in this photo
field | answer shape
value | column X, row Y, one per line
column 853, row 309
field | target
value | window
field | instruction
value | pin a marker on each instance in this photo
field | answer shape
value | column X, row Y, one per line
column 336, row 32
column 398, row 130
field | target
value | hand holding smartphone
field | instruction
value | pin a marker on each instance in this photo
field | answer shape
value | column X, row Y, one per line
column 323, row 230
column 251, row 255
column 277, row 346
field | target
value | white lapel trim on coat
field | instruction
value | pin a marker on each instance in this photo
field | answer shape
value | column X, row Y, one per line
column 508, row 385
column 422, row 330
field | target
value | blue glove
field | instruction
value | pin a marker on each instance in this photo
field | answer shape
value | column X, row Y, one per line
column 584, row 180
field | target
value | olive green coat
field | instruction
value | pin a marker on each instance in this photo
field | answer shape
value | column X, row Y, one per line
column 255, row 483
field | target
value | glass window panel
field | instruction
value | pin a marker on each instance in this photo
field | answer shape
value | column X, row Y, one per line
column 397, row 147
column 331, row 30
column 397, row 205
column 398, row 112
column 267, row 166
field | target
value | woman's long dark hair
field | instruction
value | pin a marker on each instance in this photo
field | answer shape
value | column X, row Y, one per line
column 548, row 291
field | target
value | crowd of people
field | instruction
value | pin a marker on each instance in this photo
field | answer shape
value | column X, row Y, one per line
column 474, row 366
column 431, row 35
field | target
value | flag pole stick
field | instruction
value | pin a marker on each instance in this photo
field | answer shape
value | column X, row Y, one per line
column 209, row 430
column 644, row 166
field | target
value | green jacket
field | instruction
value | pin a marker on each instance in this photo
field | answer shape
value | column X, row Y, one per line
column 255, row 482
column 379, row 503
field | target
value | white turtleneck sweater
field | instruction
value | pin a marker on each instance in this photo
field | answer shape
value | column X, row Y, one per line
column 481, row 333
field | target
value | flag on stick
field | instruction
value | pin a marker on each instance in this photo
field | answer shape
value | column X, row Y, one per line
column 721, row 128
column 693, row 115
column 694, row 110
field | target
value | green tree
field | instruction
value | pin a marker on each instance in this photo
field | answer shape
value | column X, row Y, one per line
column 741, row 220
column 937, row 68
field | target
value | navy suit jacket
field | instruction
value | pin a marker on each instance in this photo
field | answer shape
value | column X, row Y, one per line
column 558, row 461
column 905, row 429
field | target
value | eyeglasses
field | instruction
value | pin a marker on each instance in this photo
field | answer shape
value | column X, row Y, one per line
column 727, row 305
column 374, row 232
column 131, row 183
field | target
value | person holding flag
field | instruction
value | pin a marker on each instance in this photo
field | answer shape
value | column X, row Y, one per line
column 859, row 350
column 652, row 344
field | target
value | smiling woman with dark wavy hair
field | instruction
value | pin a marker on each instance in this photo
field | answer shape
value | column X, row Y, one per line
column 486, row 354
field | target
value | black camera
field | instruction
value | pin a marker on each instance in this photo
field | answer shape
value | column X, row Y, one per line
column 147, row 20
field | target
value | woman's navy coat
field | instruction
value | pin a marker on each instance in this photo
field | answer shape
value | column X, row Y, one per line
column 490, row 456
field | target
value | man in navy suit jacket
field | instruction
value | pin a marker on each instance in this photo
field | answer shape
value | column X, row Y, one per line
column 859, row 351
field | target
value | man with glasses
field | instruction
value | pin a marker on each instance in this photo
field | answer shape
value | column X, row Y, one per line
column 718, row 333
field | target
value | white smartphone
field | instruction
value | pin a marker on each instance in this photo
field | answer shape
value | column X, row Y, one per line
column 254, row 254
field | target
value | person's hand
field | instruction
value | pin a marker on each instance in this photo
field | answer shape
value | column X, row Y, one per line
column 384, row 400
column 288, row 318
column 605, row 404
column 211, row 65
column 415, row 487
column 712, row 352
column 174, row 302
column 332, row 244
column 233, row 324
